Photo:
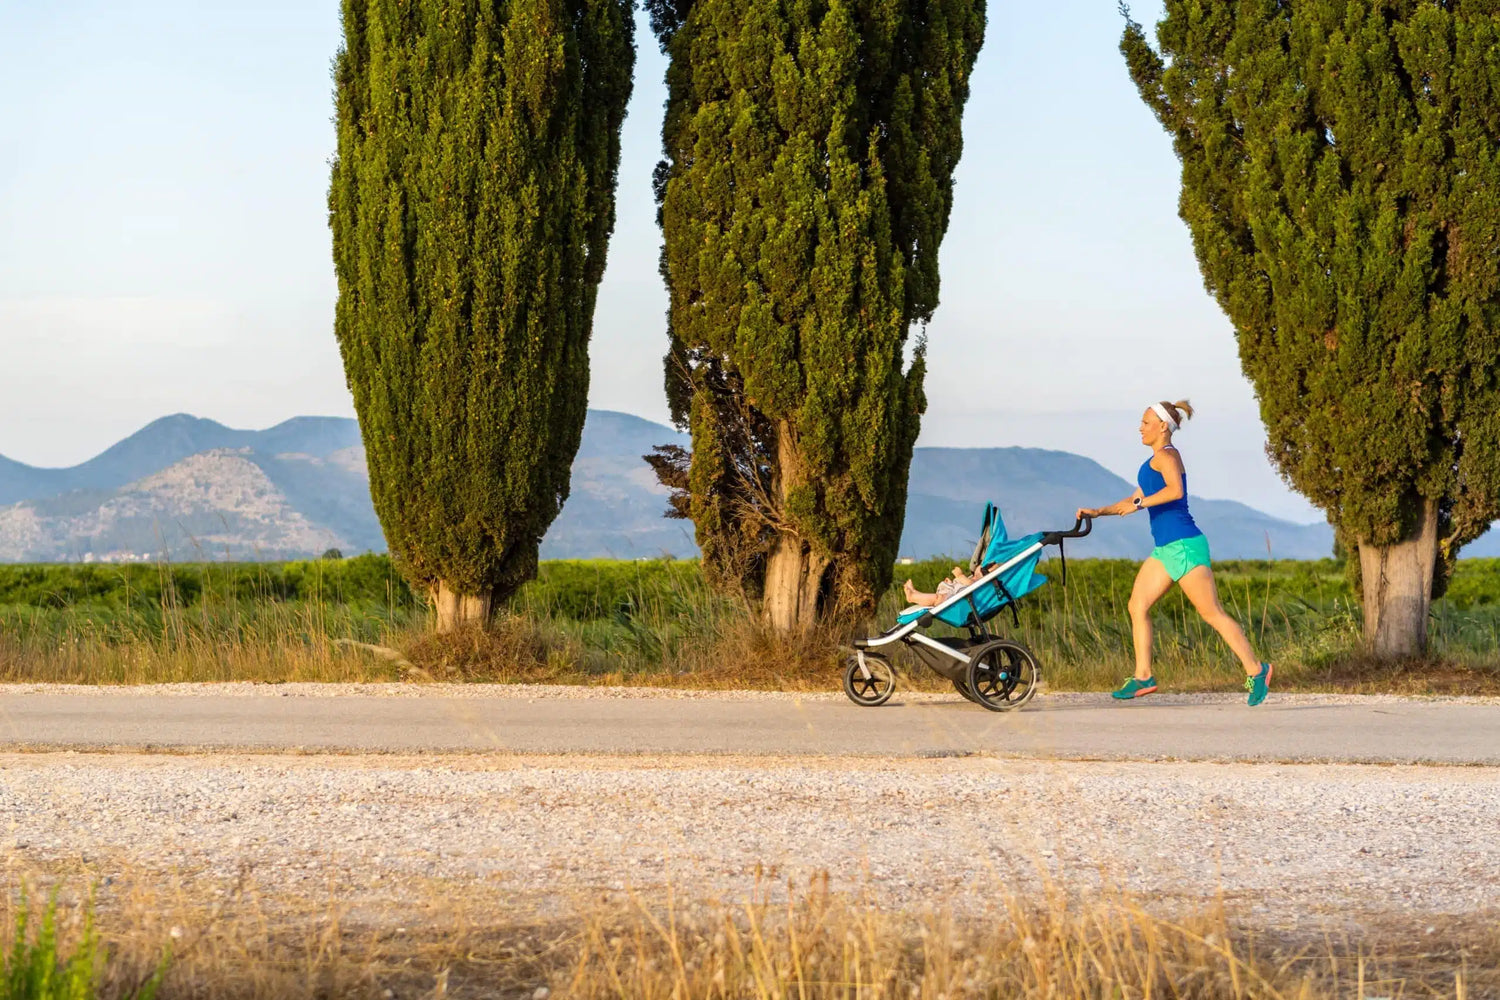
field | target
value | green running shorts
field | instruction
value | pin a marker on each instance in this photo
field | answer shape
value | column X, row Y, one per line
column 1182, row 556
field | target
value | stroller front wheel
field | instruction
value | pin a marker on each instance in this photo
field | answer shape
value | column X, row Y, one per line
column 871, row 684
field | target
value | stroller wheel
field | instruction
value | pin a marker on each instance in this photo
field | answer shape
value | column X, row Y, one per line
column 1003, row 675
column 870, row 685
column 962, row 687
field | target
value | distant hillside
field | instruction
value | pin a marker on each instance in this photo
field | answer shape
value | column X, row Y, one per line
column 1039, row 489
column 216, row 504
column 615, row 504
column 193, row 488
column 167, row 441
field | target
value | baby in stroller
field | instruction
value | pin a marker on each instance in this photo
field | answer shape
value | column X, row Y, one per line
column 950, row 586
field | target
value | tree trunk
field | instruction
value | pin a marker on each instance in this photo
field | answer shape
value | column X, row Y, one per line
column 455, row 609
column 794, row 582
column 1397, row 584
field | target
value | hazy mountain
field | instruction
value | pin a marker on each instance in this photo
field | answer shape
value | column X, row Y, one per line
column 193, row 488
column 167, row 441
column 1038, row 490
column 615, row 504
column 197, row 489
column 215, row 504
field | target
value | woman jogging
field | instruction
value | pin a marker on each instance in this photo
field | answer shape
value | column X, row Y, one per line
column 1180, row 556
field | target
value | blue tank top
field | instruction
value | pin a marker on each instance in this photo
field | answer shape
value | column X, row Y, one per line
column 1170, row 522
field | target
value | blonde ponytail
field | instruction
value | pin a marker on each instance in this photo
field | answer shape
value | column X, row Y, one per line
column 1181, row 410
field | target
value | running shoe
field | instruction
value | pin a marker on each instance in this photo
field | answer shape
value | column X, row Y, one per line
column 1136, row 689
column 1259, row 685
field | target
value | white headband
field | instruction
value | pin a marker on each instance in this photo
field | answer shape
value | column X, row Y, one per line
column 1166, row 418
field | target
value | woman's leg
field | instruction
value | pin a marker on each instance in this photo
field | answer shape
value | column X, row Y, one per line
column 1199, row 587
column 1150, row 584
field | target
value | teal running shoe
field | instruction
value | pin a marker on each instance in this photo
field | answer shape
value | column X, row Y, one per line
column 1136, row 689
column 1259, row 685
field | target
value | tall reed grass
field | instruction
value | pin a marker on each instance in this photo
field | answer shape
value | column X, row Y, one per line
column 656, row 623
column 803, row 943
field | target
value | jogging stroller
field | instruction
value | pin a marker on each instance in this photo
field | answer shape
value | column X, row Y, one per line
column 1000, row 674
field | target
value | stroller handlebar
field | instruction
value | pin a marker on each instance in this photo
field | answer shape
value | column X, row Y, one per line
column 1081, row 527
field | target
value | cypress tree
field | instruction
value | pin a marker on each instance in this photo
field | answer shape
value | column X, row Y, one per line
column 471, row 205
column 810, row 148
column 1341, row 180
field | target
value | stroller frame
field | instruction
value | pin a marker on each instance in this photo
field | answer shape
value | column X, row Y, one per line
column 999, row 674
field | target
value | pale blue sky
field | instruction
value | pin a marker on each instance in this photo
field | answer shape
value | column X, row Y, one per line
column 164, row 247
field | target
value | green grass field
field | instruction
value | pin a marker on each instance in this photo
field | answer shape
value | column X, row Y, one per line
column 654, row 622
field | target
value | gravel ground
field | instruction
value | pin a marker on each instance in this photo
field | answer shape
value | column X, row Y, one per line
column 1285, row 844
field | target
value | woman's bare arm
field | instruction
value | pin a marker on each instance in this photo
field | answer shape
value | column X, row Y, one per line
column 1116, row 509
column 1171, row 470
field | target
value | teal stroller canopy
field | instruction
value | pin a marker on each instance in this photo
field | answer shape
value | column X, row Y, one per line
column 995, row 549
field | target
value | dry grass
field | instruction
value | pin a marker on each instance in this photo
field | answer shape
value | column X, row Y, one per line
column 813, row 943
column 600, row 624
column 268, row 643
column 822, row 945
column 739, row 653
column 1355, row 673
column 723, row 654
column 729, row 652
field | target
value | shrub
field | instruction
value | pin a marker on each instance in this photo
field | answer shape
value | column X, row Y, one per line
column 36, row 968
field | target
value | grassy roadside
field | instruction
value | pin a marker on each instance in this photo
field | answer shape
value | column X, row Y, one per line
column 654, row 623
column 807, row 942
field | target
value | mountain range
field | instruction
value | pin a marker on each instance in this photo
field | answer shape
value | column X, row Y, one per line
column 186, row 488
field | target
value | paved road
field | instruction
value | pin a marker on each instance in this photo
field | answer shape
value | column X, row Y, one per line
column 1288, row 728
